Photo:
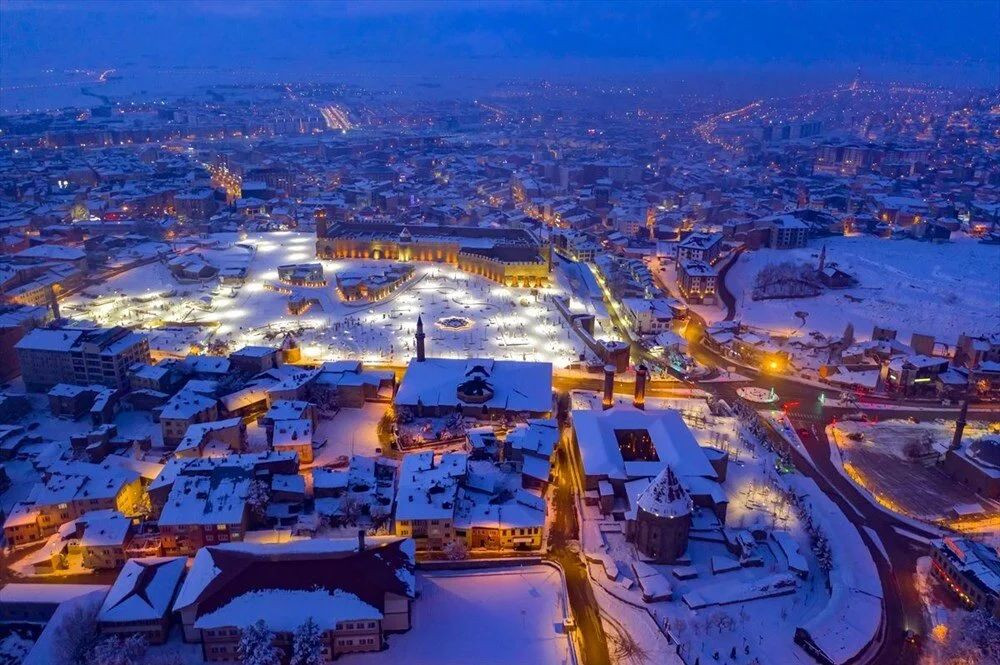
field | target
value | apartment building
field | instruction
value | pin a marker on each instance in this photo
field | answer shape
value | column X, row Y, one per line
column 103, row 356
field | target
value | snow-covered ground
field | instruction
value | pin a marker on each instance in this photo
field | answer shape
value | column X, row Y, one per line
column 350, row 432
column 490, row 617
column 507, row 323
column 911, row 286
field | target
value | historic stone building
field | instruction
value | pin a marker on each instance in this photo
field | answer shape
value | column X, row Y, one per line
column 662, row 519
column 507, row 256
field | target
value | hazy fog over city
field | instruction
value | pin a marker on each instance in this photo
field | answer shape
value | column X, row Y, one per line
column 745, row 49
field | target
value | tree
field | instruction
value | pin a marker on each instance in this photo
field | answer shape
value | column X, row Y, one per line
column 258, row 496
column 76, row 635
column 256, row 645
column 307, row 648
column 786, row 279
column 351, row 510
column 136, row 503
column 114, row 650
column 456, row 550
column 970, row 639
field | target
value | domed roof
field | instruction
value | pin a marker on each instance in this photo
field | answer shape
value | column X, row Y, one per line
column 986, row 451
column 665, row 497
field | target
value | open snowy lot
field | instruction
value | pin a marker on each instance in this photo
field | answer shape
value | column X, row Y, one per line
column 489, row 617
column 934, row 289
column 503, row 323
column 896, row 461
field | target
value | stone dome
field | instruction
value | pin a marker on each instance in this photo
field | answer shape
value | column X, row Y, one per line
column 665, row 497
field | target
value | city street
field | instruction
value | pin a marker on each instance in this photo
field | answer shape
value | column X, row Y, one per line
column 564, row 531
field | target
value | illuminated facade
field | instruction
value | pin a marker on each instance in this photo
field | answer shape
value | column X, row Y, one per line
column 510, row 257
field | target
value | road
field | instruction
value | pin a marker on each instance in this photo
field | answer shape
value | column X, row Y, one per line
column 565, row 530
column 904, row 609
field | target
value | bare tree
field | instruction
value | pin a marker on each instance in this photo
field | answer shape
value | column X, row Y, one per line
column 76, row 635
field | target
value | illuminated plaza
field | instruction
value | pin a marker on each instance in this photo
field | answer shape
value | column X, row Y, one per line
column 500, row 322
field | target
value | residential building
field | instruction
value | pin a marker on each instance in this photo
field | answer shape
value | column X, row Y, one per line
column 706, row 247
column 357, row 591
column 139, row 602
column 185, row 409
column 698, row 281
column 81, row 356
column 67, row 491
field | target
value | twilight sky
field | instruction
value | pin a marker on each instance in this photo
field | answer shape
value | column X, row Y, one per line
column 917, row 41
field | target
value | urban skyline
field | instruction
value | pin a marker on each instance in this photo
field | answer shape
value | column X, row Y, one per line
column 437, row 333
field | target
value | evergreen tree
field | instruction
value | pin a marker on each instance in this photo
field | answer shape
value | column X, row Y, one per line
column 307, row 647
column 257, row 645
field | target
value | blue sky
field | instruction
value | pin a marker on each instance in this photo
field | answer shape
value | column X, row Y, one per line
column 933, row 41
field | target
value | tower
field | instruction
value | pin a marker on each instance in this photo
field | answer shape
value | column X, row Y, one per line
column 421, row 356
column 639, row 400
column 963, row 415
column 663, row 519
column 609, row 387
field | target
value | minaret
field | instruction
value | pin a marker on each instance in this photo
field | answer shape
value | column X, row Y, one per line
column 420, row 341
column 639, row 401
column 609, row 387
column 963, row 415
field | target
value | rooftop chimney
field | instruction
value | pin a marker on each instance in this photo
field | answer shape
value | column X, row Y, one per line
column 639, row 401
column 361, row 540
column 609, row 386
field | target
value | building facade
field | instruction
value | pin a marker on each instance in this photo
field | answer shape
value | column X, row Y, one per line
column 78, row 356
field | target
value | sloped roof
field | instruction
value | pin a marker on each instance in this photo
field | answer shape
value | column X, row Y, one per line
column 224, row 572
